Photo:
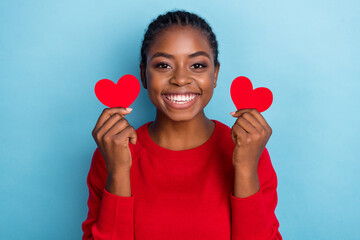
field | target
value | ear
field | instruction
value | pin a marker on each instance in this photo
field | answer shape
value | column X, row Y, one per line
column 217, row 68
column 143, row 75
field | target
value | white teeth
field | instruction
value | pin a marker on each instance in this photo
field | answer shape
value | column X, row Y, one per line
column 180, row 99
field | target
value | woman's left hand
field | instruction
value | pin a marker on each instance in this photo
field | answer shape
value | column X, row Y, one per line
column 250, row 134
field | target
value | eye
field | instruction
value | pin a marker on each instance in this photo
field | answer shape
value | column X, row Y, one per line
column 161, row 65
column 199, row 65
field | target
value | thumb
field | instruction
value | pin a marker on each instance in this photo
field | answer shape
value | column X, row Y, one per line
column 233, row 137
column 133, row 137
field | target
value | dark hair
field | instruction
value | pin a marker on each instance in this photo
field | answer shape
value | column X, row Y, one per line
column 178, row 17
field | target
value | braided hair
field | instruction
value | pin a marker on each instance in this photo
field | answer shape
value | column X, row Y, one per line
column 178, row 17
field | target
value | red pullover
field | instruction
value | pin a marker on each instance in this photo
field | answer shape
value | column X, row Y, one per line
column 182, row 195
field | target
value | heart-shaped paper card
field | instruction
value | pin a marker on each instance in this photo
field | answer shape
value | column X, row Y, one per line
column 122, row 94
column 243, row 95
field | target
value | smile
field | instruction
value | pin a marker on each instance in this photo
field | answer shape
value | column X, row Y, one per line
column 180, row 100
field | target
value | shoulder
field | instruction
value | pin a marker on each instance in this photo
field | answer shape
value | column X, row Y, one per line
column 142, row 141
column 142, row 134
column 142, row 129
column 97, row 161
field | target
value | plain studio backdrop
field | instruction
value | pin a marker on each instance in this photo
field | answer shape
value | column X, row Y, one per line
column 53, row 52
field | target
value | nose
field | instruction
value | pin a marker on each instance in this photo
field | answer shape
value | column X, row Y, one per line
column 181, row 77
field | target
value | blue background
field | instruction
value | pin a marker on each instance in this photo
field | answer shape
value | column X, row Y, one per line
column 53, row 53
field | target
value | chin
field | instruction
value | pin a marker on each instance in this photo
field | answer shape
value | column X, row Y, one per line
column 181, row 116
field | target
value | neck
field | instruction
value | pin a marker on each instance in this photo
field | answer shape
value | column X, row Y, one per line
column 180, row 135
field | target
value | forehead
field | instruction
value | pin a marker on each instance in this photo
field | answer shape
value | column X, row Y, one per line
column 180, row 40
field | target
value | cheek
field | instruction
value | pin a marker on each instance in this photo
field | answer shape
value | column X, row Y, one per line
column 207, row 85
column 208, row 89
column 154, row 91
column 154, row 84
column 154, row 99
column 208, row 93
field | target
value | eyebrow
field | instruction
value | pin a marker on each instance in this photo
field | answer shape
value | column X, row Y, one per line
column 162, row 54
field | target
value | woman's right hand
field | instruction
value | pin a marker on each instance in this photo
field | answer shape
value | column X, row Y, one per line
column 112, row 134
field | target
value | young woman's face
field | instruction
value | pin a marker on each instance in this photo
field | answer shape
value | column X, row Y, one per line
column 180, row 72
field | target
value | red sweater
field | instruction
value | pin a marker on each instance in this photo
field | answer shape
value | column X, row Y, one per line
column 182, row 195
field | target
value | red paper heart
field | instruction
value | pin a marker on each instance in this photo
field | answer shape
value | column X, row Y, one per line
column 243, row 95
column 122, row 94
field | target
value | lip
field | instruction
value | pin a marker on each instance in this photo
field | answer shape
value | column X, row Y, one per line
column 179, row 93
column 180, row 106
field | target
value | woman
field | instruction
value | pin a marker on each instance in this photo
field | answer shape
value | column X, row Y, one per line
column 181, row 176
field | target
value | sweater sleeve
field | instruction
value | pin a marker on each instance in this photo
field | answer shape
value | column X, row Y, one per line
column 109, row 216
column 253, row 217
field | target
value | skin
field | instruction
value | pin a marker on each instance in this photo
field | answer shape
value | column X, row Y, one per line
column 176, row 129
column 112, row 134
column 183, row 129
column 250, row 134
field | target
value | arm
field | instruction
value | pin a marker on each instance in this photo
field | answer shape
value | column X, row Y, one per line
column 253, row 203
column 110, row 216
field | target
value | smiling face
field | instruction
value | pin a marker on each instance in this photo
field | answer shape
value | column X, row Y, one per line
column 180, row 73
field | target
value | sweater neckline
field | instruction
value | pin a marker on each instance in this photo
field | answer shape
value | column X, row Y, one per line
column 155, row 149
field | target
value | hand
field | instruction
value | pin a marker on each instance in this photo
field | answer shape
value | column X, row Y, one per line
column 250, row 134
column 112, row 134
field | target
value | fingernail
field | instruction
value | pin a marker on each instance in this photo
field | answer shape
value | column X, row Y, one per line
column 128, row 109
column 232, row 113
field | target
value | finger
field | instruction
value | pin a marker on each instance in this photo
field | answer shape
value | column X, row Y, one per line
column 246, row 125
column 117, row 126
column 105, row 128
column 253, row 121
column 237, row 132
column 129, row 132
column 259, row 117
column 239, row 112
column 254, row 117
column 107, row 113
